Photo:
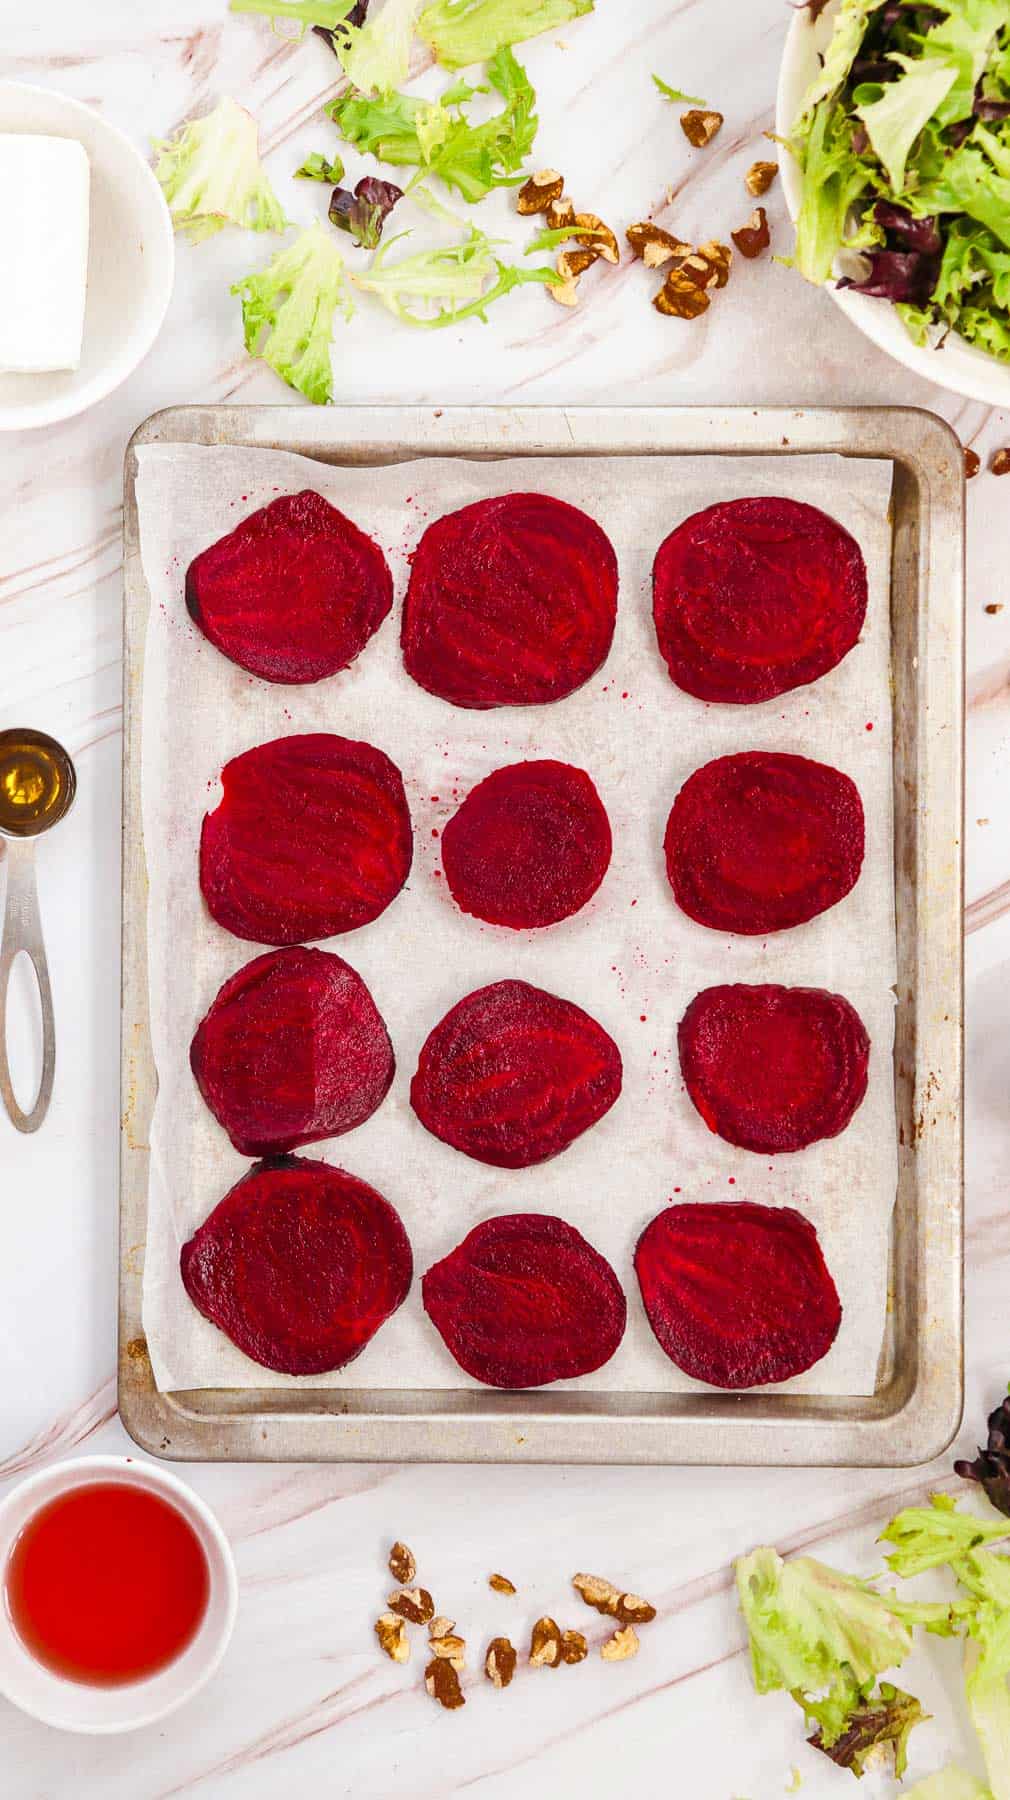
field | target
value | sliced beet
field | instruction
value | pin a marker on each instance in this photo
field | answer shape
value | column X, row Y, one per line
column 299, row 1265
column 754, row 597
column 524, row 1300
column 759, row 842
column 293, row 1049
column 737, row 1294
column 529, row 845
column 513, row 1075
column 774, row 1068
column 312, row 837
column 293, row 593
column 511, row 602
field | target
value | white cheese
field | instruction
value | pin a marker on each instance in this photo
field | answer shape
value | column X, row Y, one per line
column 45, row 208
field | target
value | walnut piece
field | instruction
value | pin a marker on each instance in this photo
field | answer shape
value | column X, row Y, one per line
column 1000, row 464
column 573, row 263
column 753, row 238
column 680, row 297
column 566, row 293
column 501, row 1584
column 560, row 215
column 440, row 1626
column 759, row 178
column 623, row 1644
column 545, row 1645
column 654, row 245
column 719, row 259
column 633, row 1610
column 574, row 1648
column 590, row 230
column 536, row 194
column 392, row 1635
column 442, row 1683
column 972, row 462
column 402, row 1566
column 451, row 1647
column 413, row 1604
column 500, row 1662
column 700, row 126
column 604, row 1597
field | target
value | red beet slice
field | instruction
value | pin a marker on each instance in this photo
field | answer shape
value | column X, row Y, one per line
column 759, row 842
column 292, row 1050
column 739, row 1294
column 529, row 845
column 511, row 602
column 524, row 1300
column 513, row 1075
column 754, row 597
column 312, row 837
column 299, row 1265
column 774, row 1068
column 293, row 593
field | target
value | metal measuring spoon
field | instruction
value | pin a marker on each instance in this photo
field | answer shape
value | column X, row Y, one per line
column 37, row 787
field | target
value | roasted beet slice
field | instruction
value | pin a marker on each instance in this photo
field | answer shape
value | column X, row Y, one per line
column 513, row 1075
column 293, row 593
column 737, row 1294
column 759, row 842
column 754, row 597
column 312, row 837
column 292, row 1050
column 525, row 1300
column 299, row 1265
column 511, row 602
column 529, row 845
column 774, row 1068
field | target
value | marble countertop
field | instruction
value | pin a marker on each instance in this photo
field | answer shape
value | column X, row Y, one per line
column 303, row 1703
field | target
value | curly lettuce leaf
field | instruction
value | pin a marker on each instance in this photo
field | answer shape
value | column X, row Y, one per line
column 888, row 1716
column 949, row 1784
column 986, row 331
column 850, row 25
column 964, row 40
column 460, row 32
column 375, row 56
column 894, row 120
column 320, row 14
column 316, row 167
column 211, row 175
column 809, row 1624
column 930, row 1537
column 834, row 179
column 443, row 286
column 676, row 95
column 288, row 310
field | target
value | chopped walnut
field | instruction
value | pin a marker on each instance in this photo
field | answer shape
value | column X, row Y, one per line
column 628, row 1609
column 566, row 293
column 451, row 1647
column 414, row 1604
column 680, row 297
column 759, row 178
column 574, row 1648
column 590, row 230
column 654, row 245
column 440, row 1626
column 501, row 1584
column 402, row 1566
column 500, row 1662
column 754, row 237
column 700, row 126
column 442, row 1683
column 545, row 1645
column 560, row 215
column 392, row 1635
column 573, row 263
column 972, row 462
column 623, row 1644
column 536, row 194
column 719, row 258
column 1000, row 464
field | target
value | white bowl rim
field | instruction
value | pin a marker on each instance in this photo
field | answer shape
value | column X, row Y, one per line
column 119, row 367
column 959, row 368
column 61, row 1477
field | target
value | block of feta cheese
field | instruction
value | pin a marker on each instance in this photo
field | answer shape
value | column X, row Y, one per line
column 45, row 205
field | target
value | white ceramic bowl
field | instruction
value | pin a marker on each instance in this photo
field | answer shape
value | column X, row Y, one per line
column 71, row 1705
column 130, row 265
column 958, row 366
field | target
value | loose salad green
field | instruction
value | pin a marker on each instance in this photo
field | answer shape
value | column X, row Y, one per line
column 903, row 139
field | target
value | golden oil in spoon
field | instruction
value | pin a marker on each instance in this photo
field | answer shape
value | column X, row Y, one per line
column 32, row 783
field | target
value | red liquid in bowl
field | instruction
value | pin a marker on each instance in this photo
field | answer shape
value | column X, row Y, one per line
column 107, row 1584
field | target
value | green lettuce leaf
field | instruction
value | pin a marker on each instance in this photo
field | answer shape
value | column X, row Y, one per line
column 968, row 183
column 850, row 26
column 887, row 1717
column 328, row 13
column 973, row 262
column 986, row 331
column 460, row 32
column 834, row 178
column 949, row 1784
column 929, row 1537
column 288, row 310
column 675, row 94
column 963, row 40
column 894, row 121
column 375, row 56
column 443, row 286
column 317, row 168
column 808, row 1623
column 211, row 175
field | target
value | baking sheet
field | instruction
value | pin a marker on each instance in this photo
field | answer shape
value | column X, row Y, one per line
column 631, row 953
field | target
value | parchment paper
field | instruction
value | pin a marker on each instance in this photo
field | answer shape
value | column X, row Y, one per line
column 631, row 958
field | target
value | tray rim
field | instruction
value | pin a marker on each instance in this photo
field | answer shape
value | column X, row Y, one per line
column 915, row 1418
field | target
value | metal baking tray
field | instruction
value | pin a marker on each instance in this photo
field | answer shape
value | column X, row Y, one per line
column 916, row 1407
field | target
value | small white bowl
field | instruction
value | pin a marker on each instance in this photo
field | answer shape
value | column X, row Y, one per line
column 958, row 366
column 131, row 263
column 98, row 1711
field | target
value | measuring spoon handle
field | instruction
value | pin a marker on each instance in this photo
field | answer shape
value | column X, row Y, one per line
column 23, row 931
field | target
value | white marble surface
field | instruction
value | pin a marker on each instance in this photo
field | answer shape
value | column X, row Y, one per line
column 303, row 1703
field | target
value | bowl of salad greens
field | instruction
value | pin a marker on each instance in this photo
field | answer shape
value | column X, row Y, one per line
column 896, row 114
